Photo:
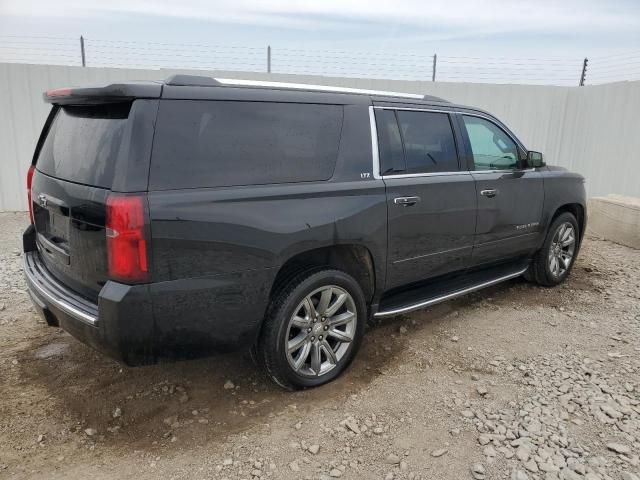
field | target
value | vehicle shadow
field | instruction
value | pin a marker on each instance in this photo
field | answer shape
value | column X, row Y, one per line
column 194, row 401
column 189, row 399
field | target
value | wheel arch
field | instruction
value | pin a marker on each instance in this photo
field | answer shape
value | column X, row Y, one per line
column 354, row 259
column 537, row 271
column 577, row 210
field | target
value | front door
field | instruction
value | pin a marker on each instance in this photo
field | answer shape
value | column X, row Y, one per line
column 510, row 196
column 431, row 201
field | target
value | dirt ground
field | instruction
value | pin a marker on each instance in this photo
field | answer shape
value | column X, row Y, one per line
column 513, row 382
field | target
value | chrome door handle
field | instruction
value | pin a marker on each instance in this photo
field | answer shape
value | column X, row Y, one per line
column 489, row 193
column 406, row 201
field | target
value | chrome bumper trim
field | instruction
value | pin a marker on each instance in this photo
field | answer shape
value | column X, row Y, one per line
column 54, row 292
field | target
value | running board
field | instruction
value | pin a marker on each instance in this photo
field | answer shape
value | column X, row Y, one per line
column 427, row 302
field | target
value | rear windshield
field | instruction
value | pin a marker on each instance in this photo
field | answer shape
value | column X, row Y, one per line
column 221, row 143
column 83, row 143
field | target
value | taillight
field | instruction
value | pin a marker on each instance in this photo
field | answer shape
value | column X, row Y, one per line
column 59, row 92
column 126, row 242
column 32, row 169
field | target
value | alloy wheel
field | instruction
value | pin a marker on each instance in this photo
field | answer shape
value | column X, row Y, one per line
column 321, row 330
column 562, row 249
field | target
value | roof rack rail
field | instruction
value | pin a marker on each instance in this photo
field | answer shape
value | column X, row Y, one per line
column 202, row 81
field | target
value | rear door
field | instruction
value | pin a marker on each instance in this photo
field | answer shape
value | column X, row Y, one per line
column 510, row 196
column 83, row 155
column 431, row 200
column 237, row 188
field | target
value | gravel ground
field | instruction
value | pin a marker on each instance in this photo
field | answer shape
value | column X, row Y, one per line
column 515, row 382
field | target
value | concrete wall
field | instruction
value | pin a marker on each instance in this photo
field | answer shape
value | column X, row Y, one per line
column 592, row 130
column 615, row 218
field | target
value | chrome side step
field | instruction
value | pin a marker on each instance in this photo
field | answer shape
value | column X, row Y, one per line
column 442, row 298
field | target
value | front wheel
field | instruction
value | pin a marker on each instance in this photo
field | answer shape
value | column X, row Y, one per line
column 553, row 262
column 313, row 329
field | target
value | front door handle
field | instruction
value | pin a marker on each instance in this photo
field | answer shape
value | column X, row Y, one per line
column 406, row 201
column 489, row 193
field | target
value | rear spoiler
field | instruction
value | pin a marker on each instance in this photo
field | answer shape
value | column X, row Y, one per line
column 115, row 92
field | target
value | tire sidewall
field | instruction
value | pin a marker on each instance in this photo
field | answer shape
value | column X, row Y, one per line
column 286, row 310
column 562, row 218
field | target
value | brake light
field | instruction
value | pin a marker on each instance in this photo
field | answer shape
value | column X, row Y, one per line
column 59, row 92
column 32, row 169
column 126, row 242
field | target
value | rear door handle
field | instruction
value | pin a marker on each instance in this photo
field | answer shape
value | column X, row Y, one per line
column 406, row 201
column 489, row 193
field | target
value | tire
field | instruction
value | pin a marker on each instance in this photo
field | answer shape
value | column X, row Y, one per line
column 543, row 270
column 294, row 343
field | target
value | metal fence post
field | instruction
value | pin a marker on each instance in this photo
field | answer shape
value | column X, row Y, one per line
column 84, row 63
column 584, row 72
column 433, row 72
column 268, row 58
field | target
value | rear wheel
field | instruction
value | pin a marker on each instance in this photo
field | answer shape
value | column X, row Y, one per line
column 553, row 262
column 313, row 329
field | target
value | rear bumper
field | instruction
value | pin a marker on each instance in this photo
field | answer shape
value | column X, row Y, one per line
column 119, row 325
column 192, row 317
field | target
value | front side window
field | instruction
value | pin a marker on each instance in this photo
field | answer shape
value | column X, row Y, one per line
column 492, row 148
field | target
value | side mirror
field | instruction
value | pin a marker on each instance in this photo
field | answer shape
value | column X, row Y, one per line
column 534, row 159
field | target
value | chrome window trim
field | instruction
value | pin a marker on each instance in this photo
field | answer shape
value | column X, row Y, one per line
column 426, row 174
column 457, row 172
column 504, row 170
column 435, row 110
column 489, row 119
column 460, row 112
column 318, row 88
column 376, row 152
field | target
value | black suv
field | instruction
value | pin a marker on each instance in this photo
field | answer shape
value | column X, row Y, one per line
column 198, row 213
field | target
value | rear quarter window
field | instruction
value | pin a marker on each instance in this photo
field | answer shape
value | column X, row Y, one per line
column 221, row 143
column 83, row 143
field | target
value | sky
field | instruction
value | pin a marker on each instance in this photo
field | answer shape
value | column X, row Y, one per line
column 506, row 41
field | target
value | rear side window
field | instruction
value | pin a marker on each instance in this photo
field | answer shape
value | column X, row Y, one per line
column 219, row 143
column 83, row 144
column 429, row 145
column 415, row 142
column 389, row 143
